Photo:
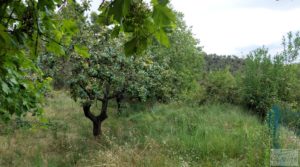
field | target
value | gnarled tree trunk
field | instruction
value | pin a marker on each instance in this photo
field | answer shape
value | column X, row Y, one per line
column 97, row 120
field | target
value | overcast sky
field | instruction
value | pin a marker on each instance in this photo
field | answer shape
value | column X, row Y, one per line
column 238, row 26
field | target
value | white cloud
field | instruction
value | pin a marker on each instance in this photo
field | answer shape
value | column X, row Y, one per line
column 225, row 27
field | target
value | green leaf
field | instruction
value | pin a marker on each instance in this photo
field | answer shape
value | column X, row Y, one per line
column 162, row 37
column 55, row 48
column 135, row 46
column 125, row 7
column 130, row 47
column 57, row 35
column 142, row 45
column 163, row 16
column 13, row 80
column 24, row 85
column 83, row 51
column 46, row 5
column 4, row 36
column 119, row 9
column 149, row 25
column 5, row 88
column 115, row 32
column 69, row 26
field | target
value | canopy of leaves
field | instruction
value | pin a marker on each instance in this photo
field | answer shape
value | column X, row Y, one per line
column 108, row 69
column 23, row 27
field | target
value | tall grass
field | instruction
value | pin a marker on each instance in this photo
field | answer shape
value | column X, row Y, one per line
column 161, row 135
column 209, row 135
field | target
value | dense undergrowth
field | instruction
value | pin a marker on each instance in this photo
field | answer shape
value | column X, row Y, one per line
column 158, row 135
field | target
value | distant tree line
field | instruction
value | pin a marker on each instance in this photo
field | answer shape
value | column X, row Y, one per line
column 214, row 62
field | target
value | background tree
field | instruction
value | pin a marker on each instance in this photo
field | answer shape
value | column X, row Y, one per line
column 214, row 62
column 289, row 79
column 221, row 86
column 259, row 81
column 184, row 58
column 271, row 80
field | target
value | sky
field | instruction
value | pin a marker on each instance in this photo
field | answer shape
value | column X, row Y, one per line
column 235, row 27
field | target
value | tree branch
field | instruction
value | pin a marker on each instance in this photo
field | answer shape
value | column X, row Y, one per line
column 101, row 4
column 43, row 34
column 10, row 15
column 100, row 99
column 90, row 95
column 12, row 18
column 38, row 31
column 64, row 3
column 87, row 112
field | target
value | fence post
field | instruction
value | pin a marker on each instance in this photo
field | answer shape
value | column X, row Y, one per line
column 273, row 122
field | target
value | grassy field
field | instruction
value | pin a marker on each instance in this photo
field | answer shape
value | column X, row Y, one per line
column 161, row 135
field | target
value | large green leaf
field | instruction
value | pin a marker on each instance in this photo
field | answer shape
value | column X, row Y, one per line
column 162, row 15
column 55, row 48
column 162, row 37
column 119, row 9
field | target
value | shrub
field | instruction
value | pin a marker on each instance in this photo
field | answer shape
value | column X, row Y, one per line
column 259, row 85
column 221, row 86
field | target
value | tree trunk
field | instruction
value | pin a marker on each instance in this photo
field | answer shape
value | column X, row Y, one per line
column 119, row 99
column 97, row 120
column 263, row 115
column 97, row 128
column 100, row 118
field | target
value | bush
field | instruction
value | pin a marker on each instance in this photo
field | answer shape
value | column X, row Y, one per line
column 259, row 84
column 221, row 86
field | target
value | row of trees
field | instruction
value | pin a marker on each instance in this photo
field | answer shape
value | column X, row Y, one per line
column 214, row 62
